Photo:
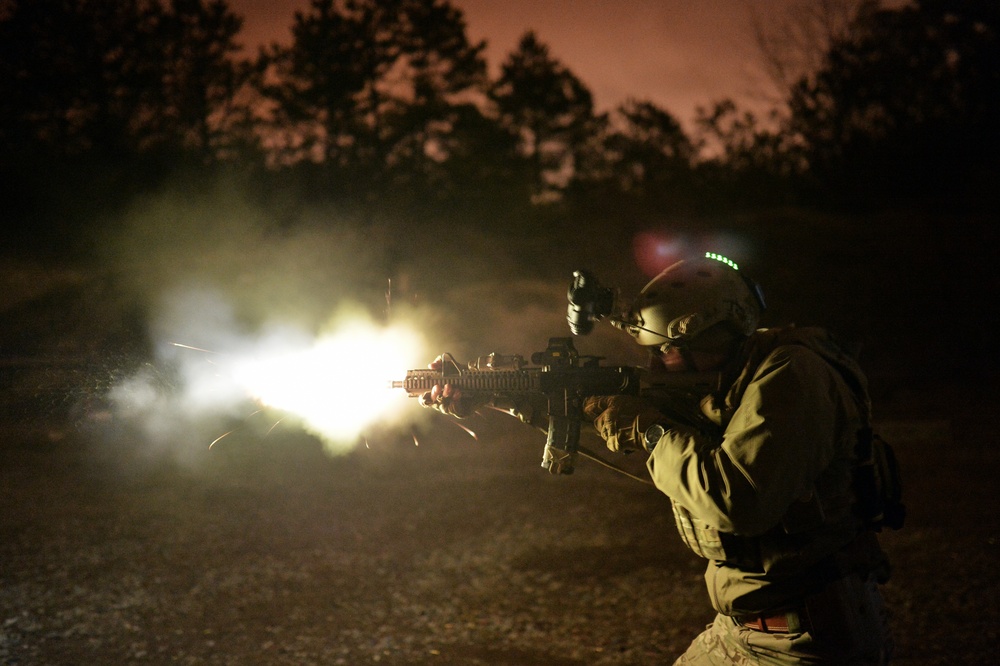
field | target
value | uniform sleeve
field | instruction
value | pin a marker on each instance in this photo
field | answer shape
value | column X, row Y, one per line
column 779, row 440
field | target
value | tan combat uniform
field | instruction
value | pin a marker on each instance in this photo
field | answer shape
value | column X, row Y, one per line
column 763, row 489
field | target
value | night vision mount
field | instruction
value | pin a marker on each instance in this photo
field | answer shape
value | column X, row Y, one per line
column 590, row 301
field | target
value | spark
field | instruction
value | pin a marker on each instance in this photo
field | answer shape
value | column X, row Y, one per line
column 468, row 430
column 274, row 426
column 198, row 349
column 248, row 417
column 216, row 440
column 415, row 441
column 388, row 301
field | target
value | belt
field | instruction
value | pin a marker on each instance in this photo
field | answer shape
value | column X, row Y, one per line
column 780, row 623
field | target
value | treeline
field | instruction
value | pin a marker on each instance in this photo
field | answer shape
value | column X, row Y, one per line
column 388, row 104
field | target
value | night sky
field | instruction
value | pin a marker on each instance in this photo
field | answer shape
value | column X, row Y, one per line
column 676, row 53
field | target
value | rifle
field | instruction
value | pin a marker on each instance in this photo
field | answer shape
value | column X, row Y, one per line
column 563, row 377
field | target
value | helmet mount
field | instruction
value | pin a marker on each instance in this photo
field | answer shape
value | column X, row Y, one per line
column 676, row 307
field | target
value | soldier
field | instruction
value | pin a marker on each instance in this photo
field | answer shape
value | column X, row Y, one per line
column 763, row 476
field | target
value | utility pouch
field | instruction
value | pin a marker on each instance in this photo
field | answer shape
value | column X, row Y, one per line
column 877, row 483
column 708, row 542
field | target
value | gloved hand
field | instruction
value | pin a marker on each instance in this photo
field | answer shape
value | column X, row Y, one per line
column 622, row 419
column 449, row 400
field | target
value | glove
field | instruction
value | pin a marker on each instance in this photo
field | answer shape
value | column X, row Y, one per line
column 621, row 420
column 449, row 400
column 530, row 409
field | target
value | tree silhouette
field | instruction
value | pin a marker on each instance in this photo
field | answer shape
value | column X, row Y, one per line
column 103, row 99
column 906, row 102
column 549, row 110
column 743, row 159
column 372, row 90
column 794, row 44
column 199, row 78
column 648, row 153
column 63, row 86
column 111, row 81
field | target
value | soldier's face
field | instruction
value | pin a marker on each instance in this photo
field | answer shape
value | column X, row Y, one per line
column 670, row 359
column 667, row 359
column 674, row 361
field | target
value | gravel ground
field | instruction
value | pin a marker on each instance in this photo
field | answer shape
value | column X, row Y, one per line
column 450, row 552
column 275, row 553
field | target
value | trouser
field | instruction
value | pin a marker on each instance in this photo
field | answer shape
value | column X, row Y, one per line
column 845, row 623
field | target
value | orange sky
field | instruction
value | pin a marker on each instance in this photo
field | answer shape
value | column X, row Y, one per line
column 676, row 53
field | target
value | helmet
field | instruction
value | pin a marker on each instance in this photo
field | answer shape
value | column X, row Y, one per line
column 690, row 297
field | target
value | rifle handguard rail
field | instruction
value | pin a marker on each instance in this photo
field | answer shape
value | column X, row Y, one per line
column 418, row 382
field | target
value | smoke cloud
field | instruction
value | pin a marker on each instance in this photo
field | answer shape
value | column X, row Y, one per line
column 229, row 291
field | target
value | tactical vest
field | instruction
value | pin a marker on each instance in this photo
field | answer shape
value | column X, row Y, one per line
column 807, row 536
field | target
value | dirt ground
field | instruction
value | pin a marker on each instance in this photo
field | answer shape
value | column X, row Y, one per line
column 442, row 550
